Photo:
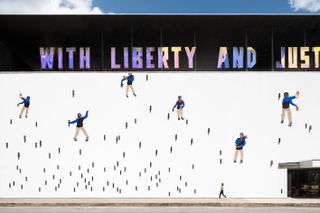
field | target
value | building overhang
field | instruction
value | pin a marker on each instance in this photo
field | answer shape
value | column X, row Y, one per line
column 300, row 164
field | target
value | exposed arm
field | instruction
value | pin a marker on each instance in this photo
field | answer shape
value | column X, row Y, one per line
column 86, row 115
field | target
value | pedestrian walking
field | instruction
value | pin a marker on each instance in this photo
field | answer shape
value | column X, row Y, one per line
column 222, row 191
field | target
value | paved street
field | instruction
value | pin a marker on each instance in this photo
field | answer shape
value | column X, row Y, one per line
column 156, row 210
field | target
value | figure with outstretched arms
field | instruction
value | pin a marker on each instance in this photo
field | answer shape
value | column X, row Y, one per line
column 79, row 121
column 26, row 103
column 286, row 102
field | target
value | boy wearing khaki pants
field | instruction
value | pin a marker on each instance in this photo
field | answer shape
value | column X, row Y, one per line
column 240, row 143
column 129, row 79
column 26, row 104
column 286, row 102
column 80, row 127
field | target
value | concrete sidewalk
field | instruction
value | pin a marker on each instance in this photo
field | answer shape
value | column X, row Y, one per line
column 281, row 202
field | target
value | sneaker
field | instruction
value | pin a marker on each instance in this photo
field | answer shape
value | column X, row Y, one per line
column 290, row 124
column 127, row 96
column 179, row 119
column 241, row 161
column 26, row 116
column 87, row 139
column 282, row 121
column 20, row 116
column 182, row 118
column 134, row 94
column 234, row 161
column 75, row 139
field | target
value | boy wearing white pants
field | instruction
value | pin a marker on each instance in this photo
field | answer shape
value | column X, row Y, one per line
column 179, row 105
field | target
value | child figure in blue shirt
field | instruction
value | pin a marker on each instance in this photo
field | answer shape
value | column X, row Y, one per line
column 129, row 79
column 79, row 121
column 240, row 143
column 179, row 105
column 26, row 104
column 286, row 102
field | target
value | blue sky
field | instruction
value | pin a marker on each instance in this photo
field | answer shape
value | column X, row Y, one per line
column 206, row 6
column 157, row 6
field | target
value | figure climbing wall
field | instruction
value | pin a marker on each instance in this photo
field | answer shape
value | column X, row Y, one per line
column 137, row 147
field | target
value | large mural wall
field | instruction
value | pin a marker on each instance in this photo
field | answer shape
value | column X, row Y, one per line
column 137, row 146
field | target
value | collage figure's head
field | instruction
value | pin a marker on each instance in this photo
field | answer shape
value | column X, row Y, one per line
column 179, row 98
column 286, row 94
column 28, row 97
column 242, row 136
column 79, row 115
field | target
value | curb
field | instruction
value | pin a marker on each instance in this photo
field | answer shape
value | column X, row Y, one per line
column 176, row 204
